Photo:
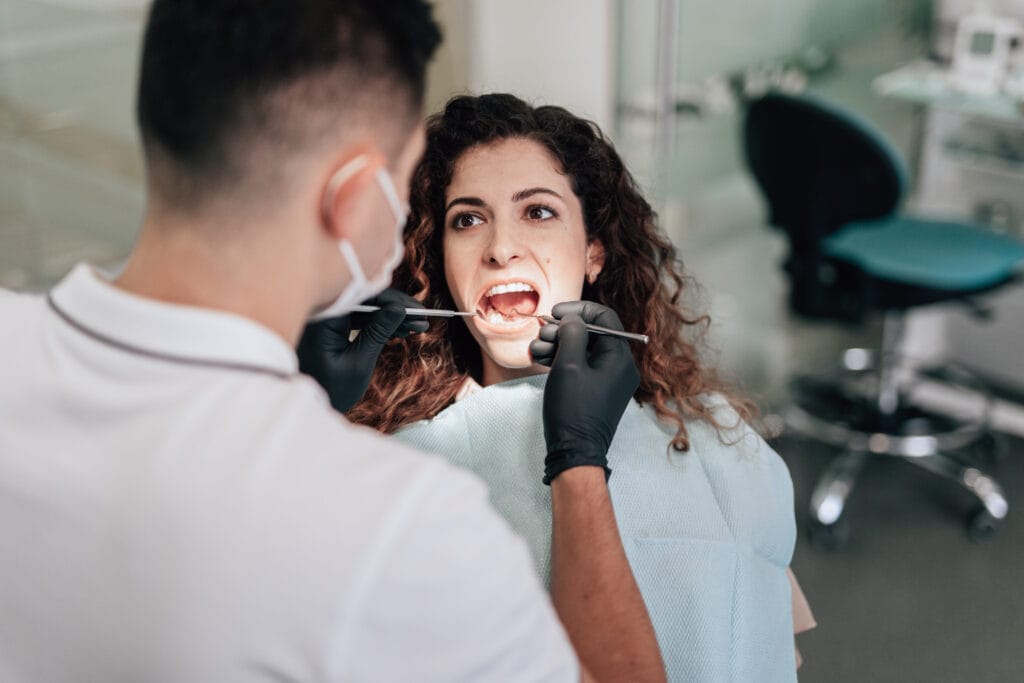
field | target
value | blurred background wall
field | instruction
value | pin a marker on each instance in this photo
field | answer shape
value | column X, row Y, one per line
column 71, row 170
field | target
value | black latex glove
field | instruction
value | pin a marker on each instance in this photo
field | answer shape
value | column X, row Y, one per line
column 588, row 389
column 344, row 368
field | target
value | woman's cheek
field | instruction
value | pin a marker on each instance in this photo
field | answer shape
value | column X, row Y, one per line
column 454, row 275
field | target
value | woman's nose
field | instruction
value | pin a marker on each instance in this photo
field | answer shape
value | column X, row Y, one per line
column 503, row 247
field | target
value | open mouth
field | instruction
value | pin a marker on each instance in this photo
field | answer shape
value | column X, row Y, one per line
column 508, row 304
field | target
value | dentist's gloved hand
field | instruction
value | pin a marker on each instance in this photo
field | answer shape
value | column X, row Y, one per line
column 344, row 368
column 588, row 389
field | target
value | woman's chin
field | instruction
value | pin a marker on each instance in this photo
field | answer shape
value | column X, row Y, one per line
column 512, row 355
column 507, row 347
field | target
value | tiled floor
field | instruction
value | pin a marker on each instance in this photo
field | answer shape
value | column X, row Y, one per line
column 912, row 597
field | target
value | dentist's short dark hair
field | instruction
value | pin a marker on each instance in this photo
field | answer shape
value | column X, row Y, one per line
column 220, row 76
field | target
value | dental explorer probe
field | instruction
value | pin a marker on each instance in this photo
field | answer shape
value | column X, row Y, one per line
column 444, row 313
column 597, row 329
column 425, row 312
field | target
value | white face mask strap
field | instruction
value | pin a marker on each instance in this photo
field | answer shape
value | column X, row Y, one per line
column 352, row 260
column 387, row 186
column 339, row 178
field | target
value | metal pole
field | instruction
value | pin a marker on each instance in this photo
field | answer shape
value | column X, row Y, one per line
column 668, row 66
column 888, row 380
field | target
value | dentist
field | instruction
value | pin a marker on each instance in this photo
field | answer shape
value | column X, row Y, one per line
column 179, row 503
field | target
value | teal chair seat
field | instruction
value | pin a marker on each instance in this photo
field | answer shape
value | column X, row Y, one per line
column 929, row 254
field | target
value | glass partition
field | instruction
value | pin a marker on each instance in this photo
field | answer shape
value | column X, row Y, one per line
column 70, row 166
column 684, row 70
column 685, row 65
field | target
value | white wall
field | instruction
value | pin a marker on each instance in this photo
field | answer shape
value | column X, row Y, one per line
column 547, row 52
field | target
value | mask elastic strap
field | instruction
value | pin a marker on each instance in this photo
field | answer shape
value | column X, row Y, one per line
column 387, row 186
column 352, row 260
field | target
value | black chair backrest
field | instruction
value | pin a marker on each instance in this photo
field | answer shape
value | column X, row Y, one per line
column 819, row 167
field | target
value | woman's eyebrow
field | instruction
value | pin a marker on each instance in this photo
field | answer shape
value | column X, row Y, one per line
column 471, row 201
column 523, row 194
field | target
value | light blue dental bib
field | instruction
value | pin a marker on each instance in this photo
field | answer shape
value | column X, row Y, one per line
column 709, row 533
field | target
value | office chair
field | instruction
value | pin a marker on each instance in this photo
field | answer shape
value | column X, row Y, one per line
column 834, row 184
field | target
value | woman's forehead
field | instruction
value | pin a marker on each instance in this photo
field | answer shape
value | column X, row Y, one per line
column 505, row 165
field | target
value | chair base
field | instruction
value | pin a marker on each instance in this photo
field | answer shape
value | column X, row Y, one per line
column 845, row 412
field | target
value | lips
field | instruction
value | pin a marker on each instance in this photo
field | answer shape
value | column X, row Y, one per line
column 508, row 305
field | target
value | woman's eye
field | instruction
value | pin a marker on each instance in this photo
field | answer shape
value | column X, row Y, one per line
column 465, row 220
column 540, row 213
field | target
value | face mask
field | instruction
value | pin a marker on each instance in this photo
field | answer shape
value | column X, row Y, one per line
column 361, row 287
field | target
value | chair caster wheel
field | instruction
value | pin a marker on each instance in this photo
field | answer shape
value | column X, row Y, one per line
column 828, row 536
column 982, row 525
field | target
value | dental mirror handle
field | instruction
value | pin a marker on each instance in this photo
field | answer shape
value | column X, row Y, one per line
column 607, row 331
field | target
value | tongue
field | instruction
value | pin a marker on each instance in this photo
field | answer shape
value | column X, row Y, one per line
column 523, row 303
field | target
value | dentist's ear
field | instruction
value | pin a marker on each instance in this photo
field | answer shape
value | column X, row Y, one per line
column 342, row 204
column 595, row 259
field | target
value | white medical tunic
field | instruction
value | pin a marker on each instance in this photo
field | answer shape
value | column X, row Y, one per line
column 178, row 504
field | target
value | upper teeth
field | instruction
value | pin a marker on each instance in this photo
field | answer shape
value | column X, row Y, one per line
column 510, row 287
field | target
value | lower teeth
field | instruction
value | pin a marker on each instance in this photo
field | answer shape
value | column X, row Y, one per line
column 496, row 318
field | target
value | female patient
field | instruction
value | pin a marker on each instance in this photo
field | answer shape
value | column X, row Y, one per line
column 516, row 209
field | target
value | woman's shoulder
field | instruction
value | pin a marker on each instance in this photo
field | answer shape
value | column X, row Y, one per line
column 484, row 423
column 728, row 428
column 722, row 428
column 724, row 448
column 729, row 479
column 442, row 434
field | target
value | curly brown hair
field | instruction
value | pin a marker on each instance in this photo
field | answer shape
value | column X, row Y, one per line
column 642, row 279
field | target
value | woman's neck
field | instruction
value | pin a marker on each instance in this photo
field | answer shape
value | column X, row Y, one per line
column 495, row 374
